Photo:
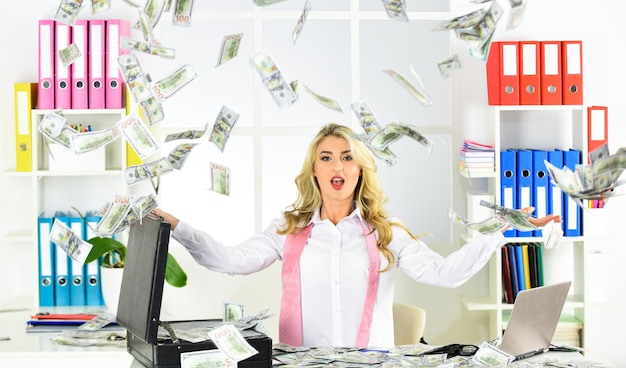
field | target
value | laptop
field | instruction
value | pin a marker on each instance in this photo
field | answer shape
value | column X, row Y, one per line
column 534, row 318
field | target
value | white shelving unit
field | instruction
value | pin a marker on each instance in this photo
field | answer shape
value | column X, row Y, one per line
column 539, row 127
column 78, row 183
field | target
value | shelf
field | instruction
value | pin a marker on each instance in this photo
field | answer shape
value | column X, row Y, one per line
column 42, row 173
column 487, row 304
column 18, row 237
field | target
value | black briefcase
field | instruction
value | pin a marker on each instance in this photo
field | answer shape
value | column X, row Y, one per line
column 151, row 341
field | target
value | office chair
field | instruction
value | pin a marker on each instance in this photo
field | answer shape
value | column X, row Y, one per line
column 409, row 323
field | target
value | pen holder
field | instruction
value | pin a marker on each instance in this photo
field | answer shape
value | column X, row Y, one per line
column 62, row 158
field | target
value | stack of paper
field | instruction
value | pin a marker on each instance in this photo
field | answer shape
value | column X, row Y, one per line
column 476, row 159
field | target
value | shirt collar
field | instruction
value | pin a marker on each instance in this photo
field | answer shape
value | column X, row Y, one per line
column 355, row 215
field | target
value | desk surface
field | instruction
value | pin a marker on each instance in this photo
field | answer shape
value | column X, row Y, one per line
column 36, row 349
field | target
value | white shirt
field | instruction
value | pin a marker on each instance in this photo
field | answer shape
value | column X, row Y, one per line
column 334, row 272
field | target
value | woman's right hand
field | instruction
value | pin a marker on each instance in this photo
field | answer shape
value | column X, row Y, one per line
column 167, row 217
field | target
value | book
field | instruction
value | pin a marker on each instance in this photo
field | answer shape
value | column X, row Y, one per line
column 506, row 276
column 532, row 262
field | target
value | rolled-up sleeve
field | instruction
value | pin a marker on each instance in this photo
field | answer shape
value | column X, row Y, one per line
column 255, row 254
column 422, row 264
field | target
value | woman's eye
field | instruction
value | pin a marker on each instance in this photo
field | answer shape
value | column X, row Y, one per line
column 325, row 158
column 348, row 158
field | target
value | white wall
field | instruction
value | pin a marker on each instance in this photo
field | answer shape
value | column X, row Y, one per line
column 594, row 23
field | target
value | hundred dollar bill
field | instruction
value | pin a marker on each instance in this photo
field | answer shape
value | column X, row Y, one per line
column 71, row 243
column 69, row 54
column 463, row 21
column 305, row 12
column 386, row 155
column 503, row 210
column 481, row 49
column 138, row 135
column 168, row 6
column 222, row 127
column 396, row 10
column 52, row 124
column 230, row 341
column 598, row 153
column 187, row 134
column 89, row 141
column 326, row 101
column 135, row 174
column 233, row 312
column 516, row 14
column 153, row 10
column 177, row 157
column 230, row 47
column 98, row 6
column 134, row 77
column 153, row 110
column 206, row 358
column 68, row 11
column 145, row 47
column 116, row 213
column 272, row 78
column 486, row 226
column 449, row 66
column 97, row 322
column 490, row 356
column 416, row 91
column 147, row 29
column 409, row 131
column 142, row 207
column 182, row 13
column 191, row 336
column 220, row 179
column 366, row 117
column 551, row 235
column 171, row 84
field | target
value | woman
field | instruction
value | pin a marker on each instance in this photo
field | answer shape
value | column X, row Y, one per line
column 338, row 275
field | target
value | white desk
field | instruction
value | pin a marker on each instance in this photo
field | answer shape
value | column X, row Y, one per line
column 36, row 349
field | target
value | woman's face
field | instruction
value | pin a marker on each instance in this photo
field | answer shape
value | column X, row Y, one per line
column 336, row 171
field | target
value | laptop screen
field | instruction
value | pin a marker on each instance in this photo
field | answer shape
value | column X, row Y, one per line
column 534, row 318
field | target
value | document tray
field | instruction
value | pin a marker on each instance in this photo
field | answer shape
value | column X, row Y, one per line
column 140, row 304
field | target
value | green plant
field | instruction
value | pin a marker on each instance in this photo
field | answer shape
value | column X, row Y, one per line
column 113, row 254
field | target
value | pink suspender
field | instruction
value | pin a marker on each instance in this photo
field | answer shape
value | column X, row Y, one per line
column 290, row 323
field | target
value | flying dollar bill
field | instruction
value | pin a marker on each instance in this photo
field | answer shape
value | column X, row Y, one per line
column 181, row 16
column 187, row 134
column 272, row 78
column 137, row 173
column 98, row 6
column 366, row 117
column 220, row 179
column 222, row 127
column 230, row 341
column 396, row 10
column 134, row 77
column 145, row 47
column 177, row 157
column 449, row 66
column 71, row 243
column 230, row 47
column 69, row 54
column 138, row 135
column 89, row 141
column 168, row 86
column 68, row 11
column 323, row 100
column 116, row 213
column 153, row 10
column 416, row 91
column 305, row 12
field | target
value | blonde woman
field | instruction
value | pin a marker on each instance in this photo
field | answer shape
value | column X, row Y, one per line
column 339, row 250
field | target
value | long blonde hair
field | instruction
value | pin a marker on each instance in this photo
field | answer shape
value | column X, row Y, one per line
column 368, row 193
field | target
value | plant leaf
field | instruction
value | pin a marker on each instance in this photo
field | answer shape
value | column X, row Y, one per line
column 102, row 246
column 174, row 274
